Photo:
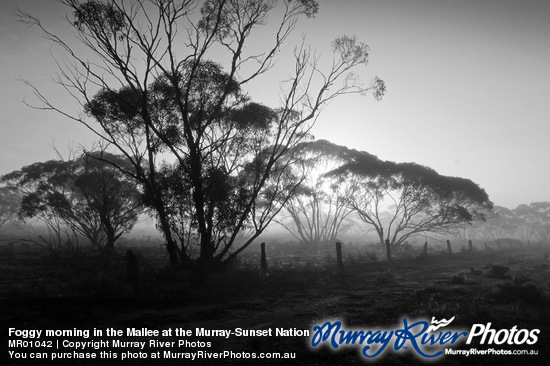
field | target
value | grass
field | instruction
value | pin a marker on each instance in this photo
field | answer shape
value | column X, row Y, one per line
column 93, row 290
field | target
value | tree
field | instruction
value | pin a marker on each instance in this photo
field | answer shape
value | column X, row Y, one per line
column 154, row 88
column 536, row 217
column 402, row 200
column 9, row 205
column 500, row 223
column 316, row 212
column 90, row 197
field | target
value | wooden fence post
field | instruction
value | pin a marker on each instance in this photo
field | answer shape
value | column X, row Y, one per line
column 449, row 247
column 425, row 252
column 339, row 255
column 470, row 246
column 264, row 261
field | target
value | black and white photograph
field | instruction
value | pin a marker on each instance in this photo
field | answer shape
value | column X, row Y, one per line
column 275, row 182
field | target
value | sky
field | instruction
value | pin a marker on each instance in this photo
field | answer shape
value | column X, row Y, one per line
column 468, row 88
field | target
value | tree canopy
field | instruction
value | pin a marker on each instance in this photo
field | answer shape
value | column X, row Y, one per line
column 9, row 204
column 536, row 218
column 86, row 194
column 317, row 212
column 400, row 200
column 162, row 83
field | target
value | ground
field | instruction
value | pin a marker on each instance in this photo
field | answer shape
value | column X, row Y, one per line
column 507, row 288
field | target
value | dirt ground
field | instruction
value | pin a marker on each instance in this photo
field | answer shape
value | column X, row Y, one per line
column 507, row 288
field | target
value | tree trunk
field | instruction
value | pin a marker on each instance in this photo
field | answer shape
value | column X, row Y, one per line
column 388, row 250
column 207, row 253
column 110, row 232
column 111, row 237
column 171, row 245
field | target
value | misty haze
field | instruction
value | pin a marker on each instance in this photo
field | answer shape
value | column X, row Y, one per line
column 275, row 182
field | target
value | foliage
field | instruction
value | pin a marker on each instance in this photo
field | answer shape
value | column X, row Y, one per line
column 400, row 200
column 154, row 89
column 317, row 213
column 535, row 218
column 83, row 196
column 9, row 204
column 500, row 223
column 525, row 223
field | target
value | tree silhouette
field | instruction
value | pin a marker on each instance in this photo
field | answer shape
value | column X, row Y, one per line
column 87, row 195
column 317, row 212
column 536, row 216
column 167, row 78
column 402, row 200
column 500, row 223
column 9, row 204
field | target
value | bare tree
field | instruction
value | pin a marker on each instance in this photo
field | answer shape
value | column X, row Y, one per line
column 149, row 87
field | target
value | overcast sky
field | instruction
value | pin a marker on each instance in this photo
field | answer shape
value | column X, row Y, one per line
column 468, row 88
